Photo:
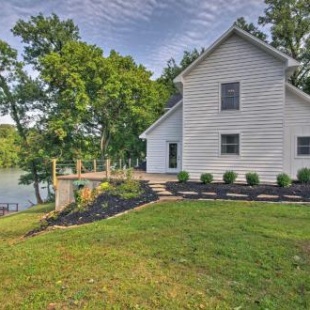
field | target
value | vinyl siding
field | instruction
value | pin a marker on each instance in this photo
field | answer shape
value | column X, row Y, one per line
column 169, row 130
column 297, row 123
column 259, row 120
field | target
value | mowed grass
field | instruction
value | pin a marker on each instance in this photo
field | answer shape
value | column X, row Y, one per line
column 184, row 255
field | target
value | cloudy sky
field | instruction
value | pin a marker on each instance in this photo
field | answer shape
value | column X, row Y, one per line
column 152, row 31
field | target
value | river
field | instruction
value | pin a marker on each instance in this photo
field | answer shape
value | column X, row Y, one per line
column 11, row 191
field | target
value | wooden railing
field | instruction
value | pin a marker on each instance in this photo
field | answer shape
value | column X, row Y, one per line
column 7, row 207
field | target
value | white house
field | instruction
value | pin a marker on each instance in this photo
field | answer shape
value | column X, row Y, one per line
column 238, row 112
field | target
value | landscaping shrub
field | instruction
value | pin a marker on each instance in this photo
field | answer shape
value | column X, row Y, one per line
column 229, row 177
column 252, row 178
column 206, row 178
column 303, row 175
column 129, row 189
column 183, row 176
column 283, row 180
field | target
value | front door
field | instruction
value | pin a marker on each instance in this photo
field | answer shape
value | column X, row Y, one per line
column 173, row 157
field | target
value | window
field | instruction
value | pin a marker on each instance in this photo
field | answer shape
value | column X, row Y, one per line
column 230, row 96
column 230, row 144
column 303, row 146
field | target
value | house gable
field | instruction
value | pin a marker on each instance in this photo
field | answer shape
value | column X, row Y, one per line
column 290, row 63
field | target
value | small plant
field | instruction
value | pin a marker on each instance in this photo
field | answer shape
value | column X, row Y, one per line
column 105, row 186
column 129, row 189
column 206, row 178
column 78, row 184
column 252, row 178
column 229, row 177
column 303, row 175
column 183, row 176
column 283, row 180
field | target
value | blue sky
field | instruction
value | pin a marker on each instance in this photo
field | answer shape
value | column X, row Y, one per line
column 152, row 31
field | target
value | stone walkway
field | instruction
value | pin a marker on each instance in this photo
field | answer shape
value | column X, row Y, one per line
column 160, row 188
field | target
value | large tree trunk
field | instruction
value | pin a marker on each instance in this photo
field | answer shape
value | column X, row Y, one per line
column 36, row 183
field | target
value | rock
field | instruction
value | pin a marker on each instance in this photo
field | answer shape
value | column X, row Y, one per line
column 52, row 306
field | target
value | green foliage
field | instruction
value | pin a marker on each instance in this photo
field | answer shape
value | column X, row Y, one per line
column 284, row 180
column 105, row 186
column 44, row 35
column 206, row 178
column 303, row 175
column 9, row 146
column 183, row 176
column 251, row 28
column 129, row 189
column 252, row 178
column 172, row 70
column 229, row 177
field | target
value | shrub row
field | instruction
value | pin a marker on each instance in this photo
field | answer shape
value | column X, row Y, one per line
column 252, row 178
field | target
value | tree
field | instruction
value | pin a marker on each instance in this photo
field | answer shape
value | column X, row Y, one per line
column 106, row 99
column 251, row 28
column 9, row 146
column 172, row 70
column 18, row 92
column 44, row 35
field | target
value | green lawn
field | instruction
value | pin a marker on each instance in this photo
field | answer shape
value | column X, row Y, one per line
column 185, row 255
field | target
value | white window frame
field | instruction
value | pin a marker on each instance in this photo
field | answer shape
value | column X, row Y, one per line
column 221, row 82
column 296, row 146
column 220, row 143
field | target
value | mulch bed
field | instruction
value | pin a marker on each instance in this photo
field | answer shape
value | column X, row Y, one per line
column 224, row 191
column 105, row 206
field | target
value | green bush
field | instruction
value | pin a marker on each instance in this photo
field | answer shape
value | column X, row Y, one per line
column 252, row 178
column 303, row 175
column 206, row 178
column 283, row 180
column 183, row 176
column 229, row 177
column 129, row 189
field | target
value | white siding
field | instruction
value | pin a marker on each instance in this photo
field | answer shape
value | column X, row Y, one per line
column 169, row 130
column 259, row 121
column 297, row 123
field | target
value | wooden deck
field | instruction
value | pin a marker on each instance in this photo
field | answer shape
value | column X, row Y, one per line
column 140, row 175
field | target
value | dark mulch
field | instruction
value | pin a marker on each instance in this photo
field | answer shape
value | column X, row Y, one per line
column 105, row 206
column 221, row 190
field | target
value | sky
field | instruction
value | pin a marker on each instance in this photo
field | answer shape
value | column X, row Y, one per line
column 151, row 31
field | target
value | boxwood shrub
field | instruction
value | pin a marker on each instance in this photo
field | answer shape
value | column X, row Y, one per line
column 229, row 177
column 303, row 175
column 206, row 178
column 252, row 178
column 284, row 180
column 183, row 176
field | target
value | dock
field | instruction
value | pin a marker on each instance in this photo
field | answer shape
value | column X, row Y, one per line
column 8, row 208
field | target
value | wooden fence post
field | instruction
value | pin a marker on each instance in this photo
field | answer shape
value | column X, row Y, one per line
column 108, row 168
column 95, row 165
column 78, row 168
column 54, row 175
column 129, row 163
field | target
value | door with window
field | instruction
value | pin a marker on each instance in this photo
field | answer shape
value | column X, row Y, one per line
column 173, row 157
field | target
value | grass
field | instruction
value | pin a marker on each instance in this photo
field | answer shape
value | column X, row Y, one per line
column 185, row 255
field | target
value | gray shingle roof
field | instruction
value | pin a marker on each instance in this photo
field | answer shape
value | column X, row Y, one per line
column 174, row 99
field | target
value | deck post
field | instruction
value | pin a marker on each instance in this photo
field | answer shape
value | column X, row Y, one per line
column 108, row 168
column 78, row 168
column 54, row 165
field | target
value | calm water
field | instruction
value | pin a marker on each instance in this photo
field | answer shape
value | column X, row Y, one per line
column 10, row 191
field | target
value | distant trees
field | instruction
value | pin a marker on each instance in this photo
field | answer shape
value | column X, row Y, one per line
column 9, row 146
